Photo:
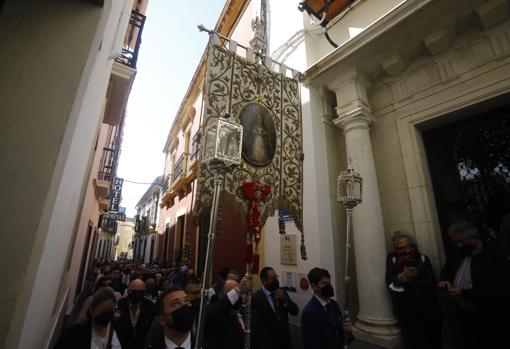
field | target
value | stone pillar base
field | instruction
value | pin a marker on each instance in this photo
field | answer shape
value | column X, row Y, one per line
column 382, row 333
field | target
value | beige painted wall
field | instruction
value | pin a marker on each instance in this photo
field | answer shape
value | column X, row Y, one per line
column 89, row 213
column 55, row 68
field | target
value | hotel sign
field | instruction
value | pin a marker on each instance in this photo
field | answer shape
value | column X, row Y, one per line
column 115, row 195
column 116, row 216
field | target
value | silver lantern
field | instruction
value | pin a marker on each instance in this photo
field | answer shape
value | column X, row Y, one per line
column 349, row 194
column 350, row 188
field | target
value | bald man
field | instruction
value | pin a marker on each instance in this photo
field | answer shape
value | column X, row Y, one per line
column 224, row 324
column 136, row 315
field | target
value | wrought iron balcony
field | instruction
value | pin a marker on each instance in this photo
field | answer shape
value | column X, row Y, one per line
column 132, row 41
column 165, row 184
column 108, row 165
column 194, row 150
column 178, row 168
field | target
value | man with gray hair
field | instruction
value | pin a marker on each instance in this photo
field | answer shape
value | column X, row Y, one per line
column 478, row 282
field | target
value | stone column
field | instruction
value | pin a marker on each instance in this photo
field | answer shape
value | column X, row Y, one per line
column 375, row 321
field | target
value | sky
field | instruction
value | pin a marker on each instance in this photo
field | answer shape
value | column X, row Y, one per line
column 169, row 54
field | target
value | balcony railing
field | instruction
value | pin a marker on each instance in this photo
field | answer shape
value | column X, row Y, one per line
column 108, row 165
column 165, row 185
column 178, row 168
column 129, row 52
column 194, row 150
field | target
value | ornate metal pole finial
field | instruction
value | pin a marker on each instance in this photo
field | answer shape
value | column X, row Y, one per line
column 258, row 24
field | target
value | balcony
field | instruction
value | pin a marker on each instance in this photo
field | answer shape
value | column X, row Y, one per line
column 193, row 157
column 178, row 170
column 101, row 188
column 132, row 41
column 123, row 71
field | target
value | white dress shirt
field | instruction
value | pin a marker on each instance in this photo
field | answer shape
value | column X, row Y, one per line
column 233, row 296
column 171, row 345
column 97, row 342
column 323, row 302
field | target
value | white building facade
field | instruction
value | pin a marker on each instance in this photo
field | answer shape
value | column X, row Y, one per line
column 391, row 100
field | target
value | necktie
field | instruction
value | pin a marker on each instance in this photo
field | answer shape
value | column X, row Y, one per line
column 276, row 305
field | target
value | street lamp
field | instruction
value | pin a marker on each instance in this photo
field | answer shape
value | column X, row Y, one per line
column 349, row 194
column 223, row 140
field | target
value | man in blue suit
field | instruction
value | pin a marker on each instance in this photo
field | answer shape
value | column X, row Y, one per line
column 322, row 323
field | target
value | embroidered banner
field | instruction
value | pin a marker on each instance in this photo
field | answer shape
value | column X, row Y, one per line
column 268, row 106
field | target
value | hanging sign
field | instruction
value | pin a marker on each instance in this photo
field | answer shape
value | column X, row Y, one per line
column 115, row 194
column 116, row 216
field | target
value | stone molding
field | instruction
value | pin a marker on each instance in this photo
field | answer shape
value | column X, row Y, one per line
column 353, row 108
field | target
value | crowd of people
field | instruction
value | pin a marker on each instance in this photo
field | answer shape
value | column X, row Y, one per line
column 129, row 305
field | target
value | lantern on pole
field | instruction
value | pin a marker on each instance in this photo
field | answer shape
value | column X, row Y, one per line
column 222, row 144
column 349, row 194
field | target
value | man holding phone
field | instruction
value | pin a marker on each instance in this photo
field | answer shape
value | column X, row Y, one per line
column 411, row 282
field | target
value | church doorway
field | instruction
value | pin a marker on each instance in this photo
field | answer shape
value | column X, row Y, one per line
column 469, row 162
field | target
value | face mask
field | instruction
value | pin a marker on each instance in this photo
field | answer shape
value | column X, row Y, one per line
column 327, row 291
column 104, row 318
column 181, row 319
column 273, row 285
column 135, row 297
column 466, row 250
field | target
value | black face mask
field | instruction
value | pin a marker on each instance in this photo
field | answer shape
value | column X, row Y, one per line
column 273, row 285
column 466, row 250
column 327, row 291
column 104, row 318
column 181, row 319
column 136, row 297
column 127, row 272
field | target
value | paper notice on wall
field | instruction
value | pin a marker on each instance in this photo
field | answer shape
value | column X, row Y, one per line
column 303, row 284
column 289, row 281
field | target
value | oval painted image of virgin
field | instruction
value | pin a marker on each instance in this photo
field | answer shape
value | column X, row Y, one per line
column 259, row 135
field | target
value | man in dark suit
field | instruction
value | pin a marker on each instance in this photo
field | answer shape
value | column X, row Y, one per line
column 176, row 317
column 322, row 323
column 273, row 306
column 136, row 315
column 476, row 288
column 224, row 324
